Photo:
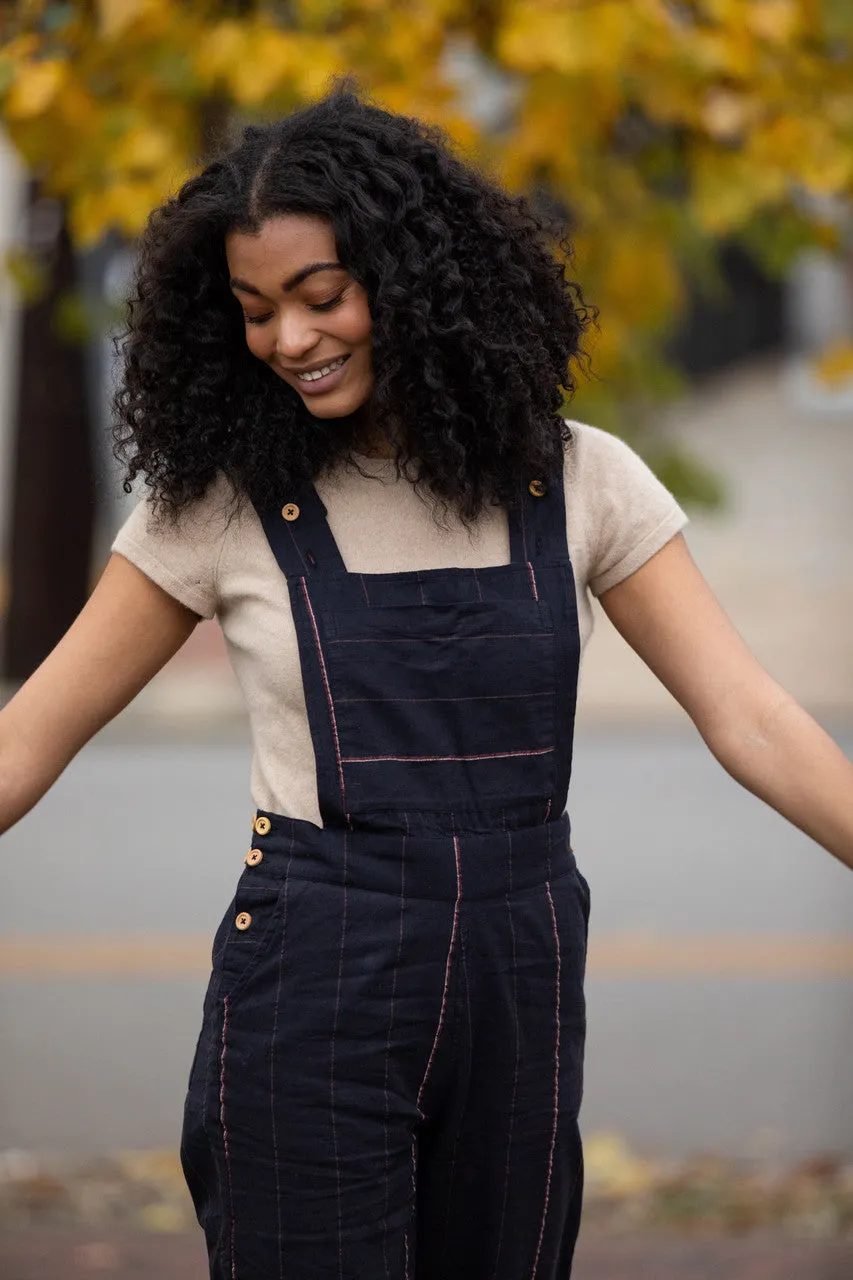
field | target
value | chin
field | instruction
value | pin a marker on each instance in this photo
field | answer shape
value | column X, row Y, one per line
column 332, row 410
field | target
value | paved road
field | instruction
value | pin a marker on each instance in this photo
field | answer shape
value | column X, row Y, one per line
column 721, row 1051
column 82, row 1256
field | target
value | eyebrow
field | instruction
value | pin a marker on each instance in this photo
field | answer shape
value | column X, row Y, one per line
column 293, row 282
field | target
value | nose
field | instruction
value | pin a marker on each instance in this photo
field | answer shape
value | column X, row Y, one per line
column 294, row 337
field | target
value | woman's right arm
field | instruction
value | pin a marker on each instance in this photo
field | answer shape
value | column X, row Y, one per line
column 128, row 629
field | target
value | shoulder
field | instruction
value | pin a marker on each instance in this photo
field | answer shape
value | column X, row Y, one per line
column 181, row 552
column 618, row 513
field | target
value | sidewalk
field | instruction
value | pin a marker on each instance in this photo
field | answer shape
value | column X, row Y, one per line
column 84, row 1255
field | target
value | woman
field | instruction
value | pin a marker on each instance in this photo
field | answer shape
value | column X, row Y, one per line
column 342, row 384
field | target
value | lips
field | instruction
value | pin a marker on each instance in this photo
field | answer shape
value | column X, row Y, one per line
column 315, row 386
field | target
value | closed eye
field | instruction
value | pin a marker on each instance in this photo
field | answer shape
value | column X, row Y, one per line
column 317, row 306
column 327, row 306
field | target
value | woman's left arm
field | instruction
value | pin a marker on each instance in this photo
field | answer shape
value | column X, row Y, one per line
column 760, row 735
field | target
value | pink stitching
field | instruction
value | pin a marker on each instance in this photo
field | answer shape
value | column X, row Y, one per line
column 493, row 755
column 484, row 697
column 334, row 1126
column 493, row 635
column 532, row 580
column 548, row 810
column 364, row 587
column 447, row 969
column 458, row 1135
column 556, row 1089
column 414, row 1199
column 328, row 689
column 515, row 1067
column 225, row 1136
column 272, row 1061
column 388, row 1043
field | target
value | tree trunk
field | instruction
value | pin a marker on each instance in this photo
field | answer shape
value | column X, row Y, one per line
column 53, row 488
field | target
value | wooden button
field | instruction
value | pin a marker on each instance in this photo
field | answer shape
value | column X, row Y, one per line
column 243, row 920
column 253, row 857
column 262, row 826
column 537, row 488
column 290, row 511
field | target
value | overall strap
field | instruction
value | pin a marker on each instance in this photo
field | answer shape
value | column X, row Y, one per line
column 299, row 536
column 537, row 522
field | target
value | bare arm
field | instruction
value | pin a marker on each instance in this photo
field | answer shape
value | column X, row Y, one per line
column 126, row 632
column 756, row 730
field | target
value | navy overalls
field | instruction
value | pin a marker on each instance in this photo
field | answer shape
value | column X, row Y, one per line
column 388, row 1077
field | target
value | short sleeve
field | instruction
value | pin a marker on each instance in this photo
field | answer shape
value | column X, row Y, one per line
column 618, row 512
column 181, row 555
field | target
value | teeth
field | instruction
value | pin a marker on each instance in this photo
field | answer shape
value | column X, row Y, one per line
column 320, row 373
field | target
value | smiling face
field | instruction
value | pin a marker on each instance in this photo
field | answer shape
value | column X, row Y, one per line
column 304, row 313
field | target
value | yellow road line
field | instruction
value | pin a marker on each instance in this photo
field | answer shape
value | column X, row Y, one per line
column 32, row 957
column 721, row 955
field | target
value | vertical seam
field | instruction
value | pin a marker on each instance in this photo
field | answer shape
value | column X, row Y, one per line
column 332, row 1066
column 328, row 688
column 388, row 1050
column 225, row 1142
column 514, row 1093
column 414, row 1161
column 458, row 1135
column 296, row 547
column 364, row 588
column 447, row 969
column 532, row 581
column 272, row 1062
column 556, row 1085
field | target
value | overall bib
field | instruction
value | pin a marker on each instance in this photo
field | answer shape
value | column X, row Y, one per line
column 388, row 1077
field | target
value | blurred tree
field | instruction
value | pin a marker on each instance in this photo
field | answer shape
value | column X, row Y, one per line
column 52, row 477
column 663, row 129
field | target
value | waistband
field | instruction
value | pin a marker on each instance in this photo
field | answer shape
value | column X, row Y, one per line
column 470, row 865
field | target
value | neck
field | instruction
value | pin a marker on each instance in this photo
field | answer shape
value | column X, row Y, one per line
column 372, row 440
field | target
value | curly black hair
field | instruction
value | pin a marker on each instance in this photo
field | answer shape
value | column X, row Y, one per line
column 474, row 324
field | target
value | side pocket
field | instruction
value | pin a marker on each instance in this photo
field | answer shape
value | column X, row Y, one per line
column 248, row 929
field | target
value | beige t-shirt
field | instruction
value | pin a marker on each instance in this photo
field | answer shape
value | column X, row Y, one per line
column 617, row 516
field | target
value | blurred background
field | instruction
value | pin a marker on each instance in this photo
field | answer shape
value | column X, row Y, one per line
column 701, row 154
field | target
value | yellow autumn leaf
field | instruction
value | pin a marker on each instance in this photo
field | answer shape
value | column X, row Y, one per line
column 115, row 16
column 316, row 62
column 219, row 49
column 728, row 188
column 164, row 1218
column 613, row 1169
column 569, row 41
column 775, row 21
column 270, row 60
column 806, row 149
column 641, row 280
column 834, row 366
column 35, row 88
column 145, row 147
column 86, row 217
